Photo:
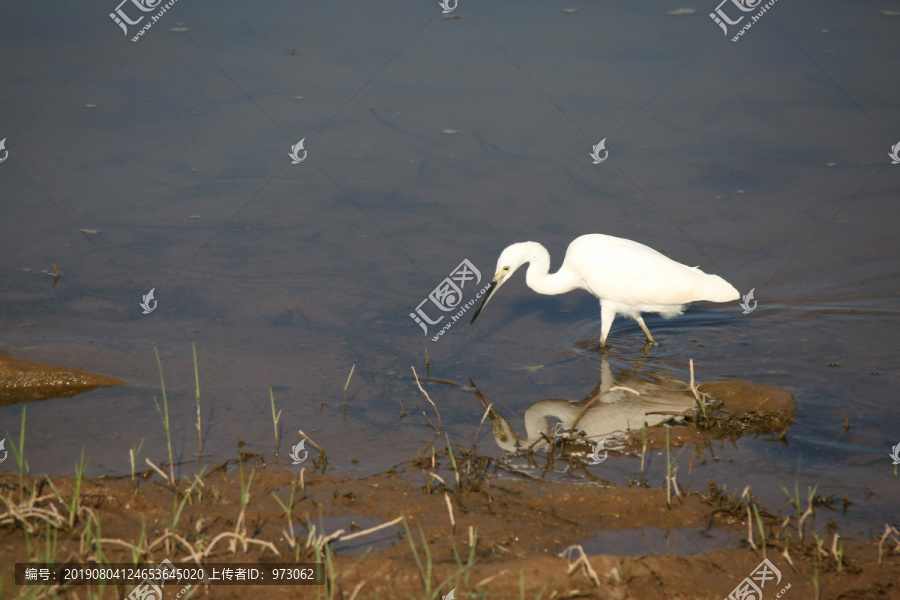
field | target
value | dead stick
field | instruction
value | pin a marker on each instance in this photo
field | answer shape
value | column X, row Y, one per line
column 428, row 398
column 370, row 530
column 594, row 399
column 319, row 448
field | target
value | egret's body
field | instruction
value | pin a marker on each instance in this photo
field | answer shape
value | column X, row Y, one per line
column 627, row 277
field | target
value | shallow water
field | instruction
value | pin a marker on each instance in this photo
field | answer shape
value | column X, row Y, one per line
column 295, row 273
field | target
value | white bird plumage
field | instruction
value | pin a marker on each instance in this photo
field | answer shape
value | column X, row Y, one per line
column 627, row 277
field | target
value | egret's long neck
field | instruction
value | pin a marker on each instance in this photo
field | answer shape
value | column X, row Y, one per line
column 539, row 278
column 537, row 414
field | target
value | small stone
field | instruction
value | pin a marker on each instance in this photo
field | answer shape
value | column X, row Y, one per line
column 679, row 12
column 890, row 13
column 825, row 30
column 195, row 216
column 90, row 106
column 179, row 30
column 90, row 231
column 450, row 132
column 741, row 191
column 830, row 164
column 570, row 10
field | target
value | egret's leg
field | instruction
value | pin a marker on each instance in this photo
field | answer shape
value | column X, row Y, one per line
column 643, row 325
column 607, row 315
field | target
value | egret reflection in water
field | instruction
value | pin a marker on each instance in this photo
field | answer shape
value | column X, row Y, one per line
column 612, row 415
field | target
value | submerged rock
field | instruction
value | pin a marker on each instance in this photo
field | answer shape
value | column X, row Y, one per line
column 26, row 381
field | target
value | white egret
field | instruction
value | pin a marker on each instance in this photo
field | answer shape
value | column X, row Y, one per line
column 627, row 277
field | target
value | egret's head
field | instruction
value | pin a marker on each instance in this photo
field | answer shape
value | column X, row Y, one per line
column 510, row 259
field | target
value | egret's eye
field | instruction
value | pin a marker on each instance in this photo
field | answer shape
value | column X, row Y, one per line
column 505, row 269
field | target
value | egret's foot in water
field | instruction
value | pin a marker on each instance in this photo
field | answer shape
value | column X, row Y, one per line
column 643, row 325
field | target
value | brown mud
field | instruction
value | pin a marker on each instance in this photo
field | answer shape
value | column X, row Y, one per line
column 731, row 409
column 28, row 381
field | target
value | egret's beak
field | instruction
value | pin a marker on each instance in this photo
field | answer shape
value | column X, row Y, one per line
column 495, row 285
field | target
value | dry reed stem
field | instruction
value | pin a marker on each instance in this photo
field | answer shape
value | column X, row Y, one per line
column 784, row 523
column 356, row 589
column 433, row 426
column 450, row 512
column 236, row 537
column 441, row 479
column 887, row 531
column 22, row 512
column 427, row 397
column 582, row 561
column 693, row 387
column 419, row 451
column 161, row 472
column 487, row 580
column 319, row 448
column 594, row 399
column 487, row 412
column 370, row 530
column 787, row 557
column 806, row 513
column 317, row 542
column 750, row 529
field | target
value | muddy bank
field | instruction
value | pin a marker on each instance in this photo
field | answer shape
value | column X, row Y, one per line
column 484, row 534
column 28, row 381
